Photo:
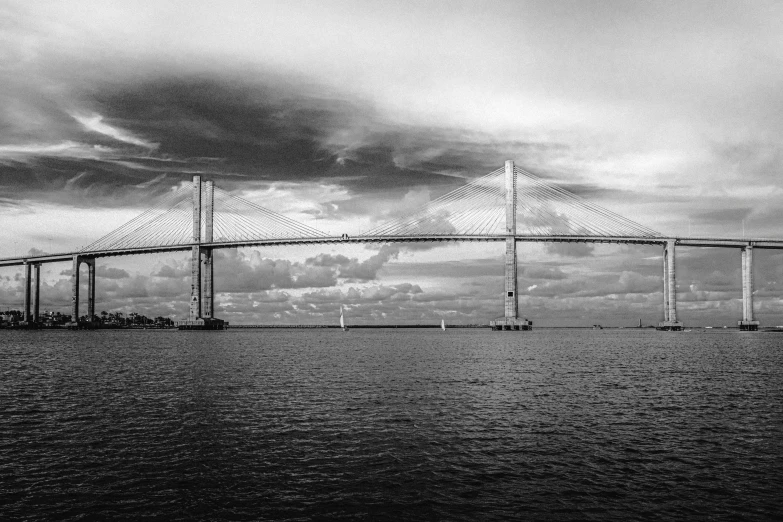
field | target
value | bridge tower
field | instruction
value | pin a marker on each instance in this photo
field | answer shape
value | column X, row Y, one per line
column 195, row 257
column 747, row 323
column 202, row 296
column 511, row 320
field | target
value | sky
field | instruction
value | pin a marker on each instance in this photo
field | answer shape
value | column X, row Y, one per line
column 341, row 113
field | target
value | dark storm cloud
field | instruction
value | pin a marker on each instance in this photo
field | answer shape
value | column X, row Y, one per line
column 275, row 131
column 83, row 183
column 115, row 141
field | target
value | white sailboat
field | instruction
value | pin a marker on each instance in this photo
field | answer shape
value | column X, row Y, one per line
column 443, row 324
column 342, row 320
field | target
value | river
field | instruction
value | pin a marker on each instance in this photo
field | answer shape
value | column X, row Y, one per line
column 390, row 424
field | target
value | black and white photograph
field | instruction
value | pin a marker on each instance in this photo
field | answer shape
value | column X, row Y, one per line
column 393, row 260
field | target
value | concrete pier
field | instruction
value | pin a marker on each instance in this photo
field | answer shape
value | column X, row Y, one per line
column 511, row 320
column 670, row 321
column 75, row 290
column 37, row 293
column 32, row 294
column 75, row 282
column 90, row 289
column 747, row 323
column 207, row 270
column 27, row 285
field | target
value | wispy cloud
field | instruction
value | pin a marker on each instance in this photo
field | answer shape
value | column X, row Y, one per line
column 151, row 182
column 95, row 123
column 64, row 149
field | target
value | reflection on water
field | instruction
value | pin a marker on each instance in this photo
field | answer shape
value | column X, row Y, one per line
column 390, row 424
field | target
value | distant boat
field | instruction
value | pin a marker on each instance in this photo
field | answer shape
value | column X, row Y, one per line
column 443, row 325
column 342, row 320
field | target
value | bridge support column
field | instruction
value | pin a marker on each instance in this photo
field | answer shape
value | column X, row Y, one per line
column 77, row 261
column 747, row 323
column 37, row 293
column 511, row 320
column 32, row 293
column 208, row 306
column 665, row 285
column 90, row 262
column 670, row 321
column 195, row 284
column 511, row 303
column 27, row 285
column 75, row 283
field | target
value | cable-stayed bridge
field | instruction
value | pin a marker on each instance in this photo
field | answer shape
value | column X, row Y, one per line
column 509, row 204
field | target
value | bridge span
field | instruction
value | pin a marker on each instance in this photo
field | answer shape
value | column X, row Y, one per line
column 486, row 209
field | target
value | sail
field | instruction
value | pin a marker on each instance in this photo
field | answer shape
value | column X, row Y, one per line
column 442, row 324
column 342, row 321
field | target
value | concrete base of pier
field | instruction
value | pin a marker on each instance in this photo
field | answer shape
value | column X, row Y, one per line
column 670, row 326
column 202, row 324
column 748, row 326
column 507, row 323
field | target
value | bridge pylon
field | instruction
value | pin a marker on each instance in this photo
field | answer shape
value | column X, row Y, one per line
column 511, row 320
column 202, row 293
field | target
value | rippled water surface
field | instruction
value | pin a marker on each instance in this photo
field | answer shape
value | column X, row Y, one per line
column 391, row 424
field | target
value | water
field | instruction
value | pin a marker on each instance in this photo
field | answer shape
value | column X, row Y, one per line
column 391, row 425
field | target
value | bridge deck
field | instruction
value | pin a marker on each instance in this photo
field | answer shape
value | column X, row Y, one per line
column 680, row 241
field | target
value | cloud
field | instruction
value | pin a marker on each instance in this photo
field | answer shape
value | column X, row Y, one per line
column 353, row 269
column 541, row 272
column 95, row 123
column 242, row 273
column 108, row 272
column 64, row 149
column 153, row 181
column 172, row 269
